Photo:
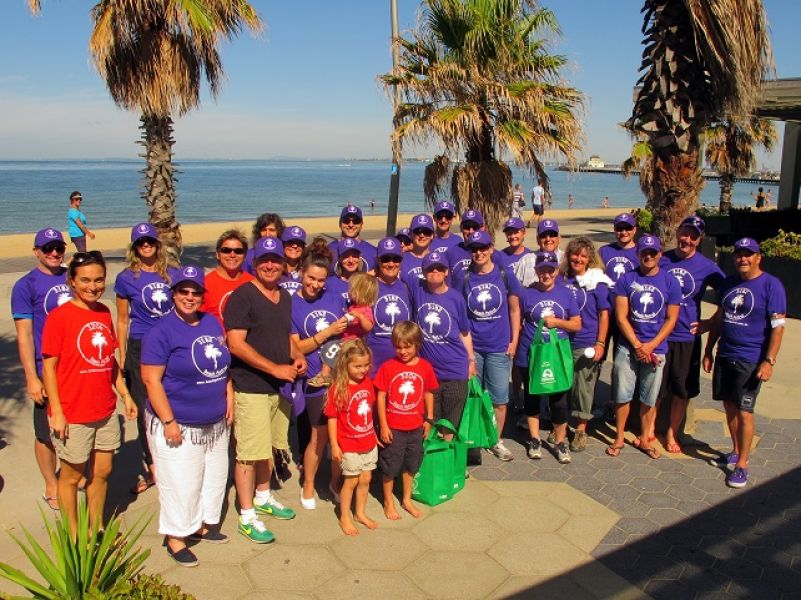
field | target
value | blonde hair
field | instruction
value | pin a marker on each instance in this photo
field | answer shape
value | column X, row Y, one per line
column 407, row 332
column 362, row 289
column 135, row 263
column 576, row 245
column 339, row 376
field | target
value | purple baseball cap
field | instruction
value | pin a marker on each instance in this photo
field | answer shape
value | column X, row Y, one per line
column 348, row 245
column 514, row 223
column 472, row 216
column 267, row 246
column 143, row 230
column 404, row 233
column 46, row 236
column 433, row 259
column 389, row 247
column 478, row 239
column 351, row 211
column 544, row 258
column 625, row 219
column 748, row 244
column 294, row 234
column 649, row 242
column 422, row 221
column 190, row 274
column 444, row 206
column 695, row 222
column 548, row 225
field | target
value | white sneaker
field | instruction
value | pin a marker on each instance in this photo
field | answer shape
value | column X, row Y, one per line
column 501, row 452
column 308, row 503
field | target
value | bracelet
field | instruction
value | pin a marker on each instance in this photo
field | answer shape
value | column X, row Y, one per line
column 600, row 343
column 168, row 421
column 314, row 337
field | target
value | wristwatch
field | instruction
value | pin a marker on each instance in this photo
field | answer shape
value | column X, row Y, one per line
column 770, row 360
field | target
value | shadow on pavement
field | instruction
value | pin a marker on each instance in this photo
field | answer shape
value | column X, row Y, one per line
column 12, row 384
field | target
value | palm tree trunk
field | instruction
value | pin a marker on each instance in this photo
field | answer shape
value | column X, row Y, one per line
column 677, row 182
column 726, row 185
column 159, row 194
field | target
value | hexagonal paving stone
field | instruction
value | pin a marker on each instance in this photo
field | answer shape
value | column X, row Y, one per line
column 658, row 500
column 477, row 494
column 648, row 484
column 576, row 503
column 613, row 477
column 685, row 492
column 514, row 489
column 293, row 567
column 458, row 531
column 587, row 531
column 551, row 553
column 370, row 584
column 543, row 586
column 526, row 514
column 458, row 575
column 665, row 516
column 385, row 549
column 208, row 576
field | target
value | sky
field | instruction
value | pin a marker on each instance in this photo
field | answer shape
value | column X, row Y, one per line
column 306, row 87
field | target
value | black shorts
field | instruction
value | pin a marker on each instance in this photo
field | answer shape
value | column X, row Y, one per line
column 41, row 426
column 538, row 209
column 735, row 381
column 314, row 409
column 532, row 404
column 449, row 400
column 405, row 453
column 681, row 375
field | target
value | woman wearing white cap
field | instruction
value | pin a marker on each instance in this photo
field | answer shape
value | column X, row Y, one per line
column 143, row 297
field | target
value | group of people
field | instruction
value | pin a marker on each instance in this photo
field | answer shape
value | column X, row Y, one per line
column 289, row 332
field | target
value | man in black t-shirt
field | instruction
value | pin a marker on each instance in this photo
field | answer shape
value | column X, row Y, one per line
column 258, row 321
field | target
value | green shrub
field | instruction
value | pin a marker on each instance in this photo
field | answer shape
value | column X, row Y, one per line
column 150, row 587
column 645, row 219
column 785, row 244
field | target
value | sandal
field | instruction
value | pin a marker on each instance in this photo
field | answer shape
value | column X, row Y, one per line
column 142, row 485
column 673, row 448
column 651, row 452
column 51, row 501
column 613, row 450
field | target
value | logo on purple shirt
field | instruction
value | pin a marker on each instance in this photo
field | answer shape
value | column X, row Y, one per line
column 388, row 310
column 646, row 301
column 580, row 294
column 738, row 304
column 206, row 352
column 618, row 265
column 56, row 296
column 484, row 300
column 317, row 320
column 435, row 322
column 156, row 298
column 686, row 281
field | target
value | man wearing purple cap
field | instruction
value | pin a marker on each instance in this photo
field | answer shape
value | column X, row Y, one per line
column 444, row 212
column 620, row 256
column 459, row 256
column 646, row 308
column 749, row 324
column 422, row 229
column 258, row 322
column 33, row 297
column 548, row 239
column 693, row 272
column 515, row 231
column 351, row 222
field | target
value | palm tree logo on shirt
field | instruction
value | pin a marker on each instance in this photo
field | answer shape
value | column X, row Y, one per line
column 55, row 297
column 63, row 297
column 98, row 341
column 363, row 410
column 646, row 298
column 92, row 340
column 484, row 296
column 432, row 319
column 212, row 353
column 646, row 301
column 321, row 324
column 159, row 297
column 207, row 348
column 619, row 269
column 406, row 389
column 547, row 312
column 388, row 310
column 156, row 299
column 392, row 310
column 738, row 304
column 737, row 301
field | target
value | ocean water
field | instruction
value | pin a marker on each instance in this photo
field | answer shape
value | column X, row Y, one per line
column 35, row 194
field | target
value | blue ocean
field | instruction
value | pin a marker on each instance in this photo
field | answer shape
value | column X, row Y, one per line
column 35, row 194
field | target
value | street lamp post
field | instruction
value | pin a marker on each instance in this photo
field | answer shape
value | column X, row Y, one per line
column 394, row 182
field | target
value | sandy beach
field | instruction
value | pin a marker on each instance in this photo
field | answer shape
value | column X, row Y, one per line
column 19, row 244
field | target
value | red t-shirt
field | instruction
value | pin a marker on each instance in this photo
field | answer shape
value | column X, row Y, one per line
column 406, row 386
column 218, row 289
column 84, row 342
column 355, row 428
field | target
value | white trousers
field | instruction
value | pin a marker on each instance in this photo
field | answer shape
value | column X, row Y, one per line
column 190, row 478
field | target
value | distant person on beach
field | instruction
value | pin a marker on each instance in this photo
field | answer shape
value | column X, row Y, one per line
column 33, row 297
column 351, row 222
column 768, row 199
column 605, row 202
column 444, row 240
column 228, row 274
column 76, row 223
column 294, row 240
column 570, row 200
column 267, row 224
column 760, row 199
column 372, row 206
column 518, row 202
column 537, row 197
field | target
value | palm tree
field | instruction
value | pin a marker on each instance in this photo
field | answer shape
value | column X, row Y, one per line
column 702, row 59
column 477, row 76
column 153, row 56
column 730, row 150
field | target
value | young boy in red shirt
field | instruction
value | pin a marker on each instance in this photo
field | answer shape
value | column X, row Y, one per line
column 405, row 401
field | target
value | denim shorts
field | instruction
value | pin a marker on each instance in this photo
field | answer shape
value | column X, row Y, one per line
column 629, row 371
column 494, row 370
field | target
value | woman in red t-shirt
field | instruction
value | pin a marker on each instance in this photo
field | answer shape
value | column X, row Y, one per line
column 79, row 368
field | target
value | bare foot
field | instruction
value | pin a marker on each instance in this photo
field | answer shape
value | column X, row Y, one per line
column 348, row 528
column 366, row 521
column 391, row 513
column 410, row 508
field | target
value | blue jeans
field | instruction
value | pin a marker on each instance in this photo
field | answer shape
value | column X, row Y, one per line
column 629, row 371
column 494, row 370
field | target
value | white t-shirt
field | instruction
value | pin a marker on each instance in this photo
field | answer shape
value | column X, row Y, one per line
column 536, row 194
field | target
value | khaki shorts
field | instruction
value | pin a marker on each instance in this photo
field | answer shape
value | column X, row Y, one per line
column 353, row 463
column 83, row 438
column 261, row 423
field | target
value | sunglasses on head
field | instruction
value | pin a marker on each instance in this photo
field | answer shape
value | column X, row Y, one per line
column 389, row 259
column 230, row 250
column 146, row 241
column 58, row 247
column 93, row 256
column 352, row 220
column 189, row 292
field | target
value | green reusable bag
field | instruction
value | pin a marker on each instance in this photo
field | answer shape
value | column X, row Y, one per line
column 459, row 464
column 434, row 482
column 550, row 364
column 477, row 428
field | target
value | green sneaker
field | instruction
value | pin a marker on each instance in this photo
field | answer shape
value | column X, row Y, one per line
column 256, row 532
column 274, row 508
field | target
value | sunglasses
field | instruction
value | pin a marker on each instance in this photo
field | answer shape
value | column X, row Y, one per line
column 548, row 234
column 476, row 249
column 389, row 259
column 649, row 253
column 443, row 216
column 298, row 243
column 230, row 250
column 436, row 268
column 624, row 228
column 146, row 241
column 421, row 231
column 93, row 256
column 58, row 247
column 352, row 220
column 189, row 292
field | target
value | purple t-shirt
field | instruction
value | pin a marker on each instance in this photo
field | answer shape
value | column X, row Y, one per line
column 443, row 318
column 649, row 297
column 590, row 304
column 368, row 255
column 338, row 286
column 617, row 260
column 693, row 275
column 291, row 282
column 442, row 245
column 511, row 259
column 558, row 302
column 411, row 269
column 196, row 362
column 34, row 295
column 311, row 316
column 393, row 305
column 460, row 258
column 747, row 307
column 149, row 298
column 487, row 298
